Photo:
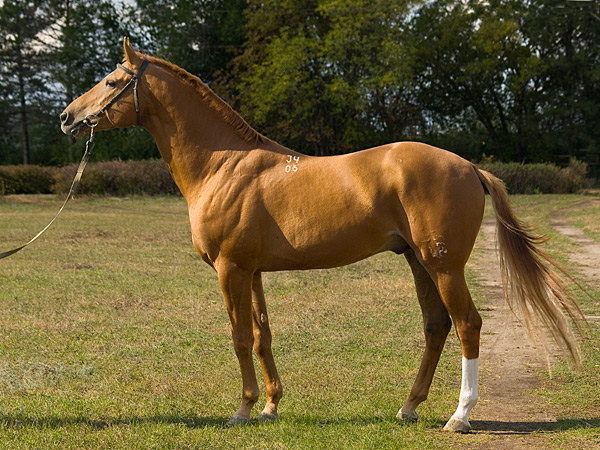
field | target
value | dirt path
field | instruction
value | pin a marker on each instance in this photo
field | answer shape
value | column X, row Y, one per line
column 588, row 255
column 509, row 362
column 506, row 412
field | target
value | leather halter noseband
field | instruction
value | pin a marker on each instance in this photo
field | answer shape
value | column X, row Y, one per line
column 135, row 77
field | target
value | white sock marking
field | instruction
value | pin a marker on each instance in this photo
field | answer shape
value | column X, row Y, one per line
column 468, row 389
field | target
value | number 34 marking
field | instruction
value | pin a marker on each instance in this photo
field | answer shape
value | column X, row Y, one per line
column 292, row 162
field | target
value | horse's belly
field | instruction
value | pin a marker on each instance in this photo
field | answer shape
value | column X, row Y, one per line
column 341, row 219
column 324, row 247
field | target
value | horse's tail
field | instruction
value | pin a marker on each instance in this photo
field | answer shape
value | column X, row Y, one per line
column 537, row 293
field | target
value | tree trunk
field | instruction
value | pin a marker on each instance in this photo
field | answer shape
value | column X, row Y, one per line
column 23, row 108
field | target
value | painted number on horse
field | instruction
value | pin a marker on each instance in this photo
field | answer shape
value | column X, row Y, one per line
column 292, row 167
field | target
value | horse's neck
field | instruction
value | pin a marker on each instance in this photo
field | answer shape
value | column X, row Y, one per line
column 194, row 139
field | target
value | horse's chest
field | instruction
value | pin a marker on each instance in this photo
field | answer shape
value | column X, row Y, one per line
column 218, row 231
column 207, row 236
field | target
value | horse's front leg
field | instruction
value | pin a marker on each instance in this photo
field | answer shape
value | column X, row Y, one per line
column 262, row 347
column 236, row 284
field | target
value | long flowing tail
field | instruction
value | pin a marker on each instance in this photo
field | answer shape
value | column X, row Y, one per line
column 533, row 287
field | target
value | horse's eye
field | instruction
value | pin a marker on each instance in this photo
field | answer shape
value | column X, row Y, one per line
column 111, row 83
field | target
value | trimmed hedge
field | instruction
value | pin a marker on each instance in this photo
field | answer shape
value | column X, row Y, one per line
column 27, row 179
column 542, row 178
column 151, row 177
column 119, row 178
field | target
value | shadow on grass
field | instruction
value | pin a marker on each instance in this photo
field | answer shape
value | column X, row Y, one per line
column 191, row 421
column 21, row 420
column 524, row 428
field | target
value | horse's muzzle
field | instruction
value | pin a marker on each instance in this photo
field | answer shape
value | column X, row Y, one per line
column 68, row 124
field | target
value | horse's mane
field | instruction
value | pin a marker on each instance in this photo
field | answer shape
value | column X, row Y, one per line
column 212, row 100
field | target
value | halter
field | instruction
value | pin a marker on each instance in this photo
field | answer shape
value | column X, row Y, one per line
column 135, row 77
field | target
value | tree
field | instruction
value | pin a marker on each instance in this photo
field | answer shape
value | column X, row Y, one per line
column 476, row 73
column 517, row 80
column 199, row 35
column 510, row 78
column 52, row 51
column 326, row 77
column 21, row 22
column 565, row 35
column 82, row 46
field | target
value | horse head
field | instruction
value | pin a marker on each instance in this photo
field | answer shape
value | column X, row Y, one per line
column 112, row 103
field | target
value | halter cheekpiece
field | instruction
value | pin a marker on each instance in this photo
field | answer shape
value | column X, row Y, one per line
column 135, row 77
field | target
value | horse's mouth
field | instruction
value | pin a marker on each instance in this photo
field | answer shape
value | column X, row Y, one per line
column 75, row 129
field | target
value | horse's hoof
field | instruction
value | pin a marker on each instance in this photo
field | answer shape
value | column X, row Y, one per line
column 411, row 416
column 237, row 420
column 264, row 417
column 457, row 425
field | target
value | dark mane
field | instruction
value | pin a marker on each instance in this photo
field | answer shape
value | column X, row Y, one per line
column 213, row 101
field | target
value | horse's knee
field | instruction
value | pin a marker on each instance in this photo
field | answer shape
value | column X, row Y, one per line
column 243, row 343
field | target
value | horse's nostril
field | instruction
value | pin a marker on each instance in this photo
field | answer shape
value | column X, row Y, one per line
column 65, row 117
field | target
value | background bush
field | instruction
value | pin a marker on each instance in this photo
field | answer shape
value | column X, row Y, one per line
column 26, row 179
column 119, row 178
column 542, row 178
column 152, row 177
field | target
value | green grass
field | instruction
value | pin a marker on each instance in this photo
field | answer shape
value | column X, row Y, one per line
column 588, row 218
column 113, row 333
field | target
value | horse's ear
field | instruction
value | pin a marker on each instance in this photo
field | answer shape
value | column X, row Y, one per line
column 131, row 55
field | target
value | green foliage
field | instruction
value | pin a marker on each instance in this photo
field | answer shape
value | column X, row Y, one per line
column 21, row 82
column 516, row 80
column 565, row 35
column 519, row 78
column 198, row 35
column 473, row 61
column 326, row 77
column 113, row 178
column 81, row 58
column 151, row 177
column 329, row 76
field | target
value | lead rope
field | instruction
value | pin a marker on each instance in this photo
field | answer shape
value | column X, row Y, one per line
column 89, row 145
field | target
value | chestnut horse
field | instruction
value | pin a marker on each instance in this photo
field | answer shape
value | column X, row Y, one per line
column 255, row 206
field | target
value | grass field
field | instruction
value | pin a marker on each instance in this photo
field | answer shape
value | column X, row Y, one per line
column 113, row 333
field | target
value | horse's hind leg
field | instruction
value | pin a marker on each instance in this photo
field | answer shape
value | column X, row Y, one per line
column 262, row 347
column 436, row 325
column 457, row 299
